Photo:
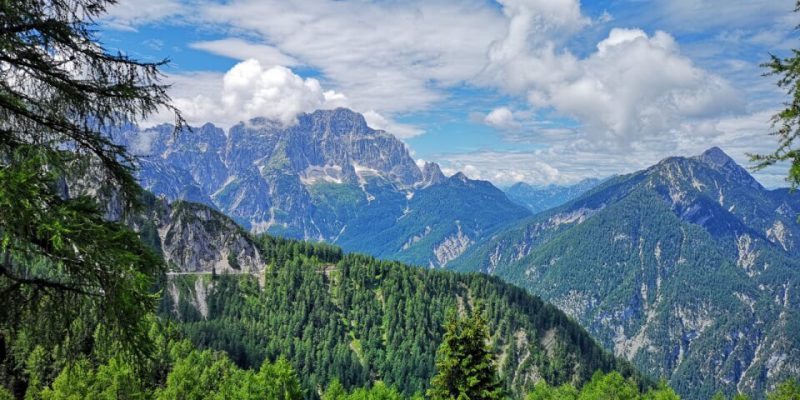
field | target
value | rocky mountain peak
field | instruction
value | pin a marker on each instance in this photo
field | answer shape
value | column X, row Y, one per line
column 340, row 121
column 715, row 157
column 328, row 177
column 432, row 174
column 459, row 176
column 718, row 160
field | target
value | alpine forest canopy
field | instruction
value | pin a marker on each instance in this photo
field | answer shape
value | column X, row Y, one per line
column 357, row 320
column 66, row 267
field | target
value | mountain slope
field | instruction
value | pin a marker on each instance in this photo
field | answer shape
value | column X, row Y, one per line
column 540, row 198
column 328, row 178
column 357, row 319
column 688, row 269
column 346, row 317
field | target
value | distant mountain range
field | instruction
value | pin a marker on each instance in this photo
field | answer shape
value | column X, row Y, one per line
column 541, row 198
column 689, row 269
column 328, row 178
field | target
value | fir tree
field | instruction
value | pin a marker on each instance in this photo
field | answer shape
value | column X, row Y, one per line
column 465, row 369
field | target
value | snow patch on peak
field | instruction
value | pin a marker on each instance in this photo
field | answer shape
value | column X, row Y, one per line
column 316, row 174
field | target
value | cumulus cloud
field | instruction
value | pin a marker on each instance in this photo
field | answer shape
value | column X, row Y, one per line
column 397, row 57
column 250, row 90
column 634, row 86
column 387, row 56
column 503, row 168
column 502, row 118
column 570, row 158
column 635, row 95
column 637, row 86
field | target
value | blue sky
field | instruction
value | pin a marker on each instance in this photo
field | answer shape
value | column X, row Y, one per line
column 542, row 91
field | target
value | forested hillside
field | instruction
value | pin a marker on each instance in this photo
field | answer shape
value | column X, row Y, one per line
column 357, row 320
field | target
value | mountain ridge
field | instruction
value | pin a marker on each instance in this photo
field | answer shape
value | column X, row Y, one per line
column 327, row 178
column 685, row 268
column 541, row 198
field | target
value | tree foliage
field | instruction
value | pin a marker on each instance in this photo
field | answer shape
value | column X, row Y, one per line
column 786, row 122
column 65, row 266
column 358, row 320
column 59, row 87
column 464, row 362
column 379, row 391
column 188, row 373
column 788, row 390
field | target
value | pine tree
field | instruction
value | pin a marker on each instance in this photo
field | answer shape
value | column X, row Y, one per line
column 788, row 390
column 64, row 266
column 464, row 364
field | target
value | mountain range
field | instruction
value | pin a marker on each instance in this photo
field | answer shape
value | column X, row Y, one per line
column 541, row 198
column 327, row 178
column 688, row 269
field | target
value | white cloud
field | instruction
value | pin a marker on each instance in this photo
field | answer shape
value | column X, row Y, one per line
column 637, row 86
column 126, row 15
column 243, row 50
column 633, row 87
column 395, row 57
column 250, row 90
column 402, row 131
column 605, row 17
column 503, row 118
column 637, row 96
column 569, row 158
column 387, row 56
column 503, row 168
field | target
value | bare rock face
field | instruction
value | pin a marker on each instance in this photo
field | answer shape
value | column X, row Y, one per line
column 432, row 174
column 191, row 237
column 451, row 247
column 195, row 238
